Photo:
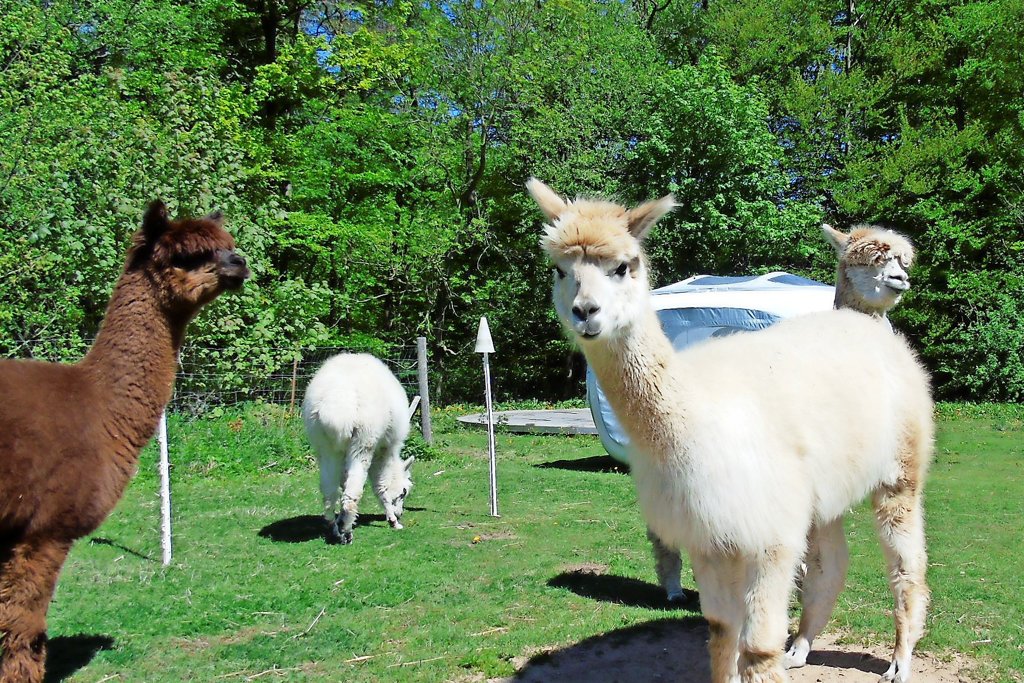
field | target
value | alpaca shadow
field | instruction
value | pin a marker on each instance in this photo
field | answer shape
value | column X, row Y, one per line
column 596, row 463
column 663, row 650
column 295, row 529
column 67, row 654
column 106, row 541
column 623, row 591
column 306, row 528
column 859, row 661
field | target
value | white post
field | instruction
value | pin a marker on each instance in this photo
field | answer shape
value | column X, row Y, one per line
column 165, row 491
column 485, row 346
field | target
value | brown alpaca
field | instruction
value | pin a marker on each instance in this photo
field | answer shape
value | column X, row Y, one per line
column 70, row 435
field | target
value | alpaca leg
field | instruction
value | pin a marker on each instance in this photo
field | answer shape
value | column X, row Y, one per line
column 900, row 519
column 28, row 576
column 355, row 480
column 768, row 583
column 719, row 581
column 826, row 562
column 330, row 488
column 668, row 564
column 385, row 456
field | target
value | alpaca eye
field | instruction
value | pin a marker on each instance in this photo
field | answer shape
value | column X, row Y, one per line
column 190, row 261
column 621, row 270
column 560, row 272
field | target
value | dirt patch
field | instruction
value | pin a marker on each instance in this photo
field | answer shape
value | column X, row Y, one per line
column 675, row 650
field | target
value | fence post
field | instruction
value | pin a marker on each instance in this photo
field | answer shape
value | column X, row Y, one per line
column 295, row 372
column 421, row 366
column 165, row 491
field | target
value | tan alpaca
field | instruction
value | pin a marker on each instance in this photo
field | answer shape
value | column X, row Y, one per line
column 871, row 276
column 743, row 447
column 874, row 263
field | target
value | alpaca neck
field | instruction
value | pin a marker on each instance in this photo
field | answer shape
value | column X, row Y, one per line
column 134, row 359
column 636, row 372
column 848, row 297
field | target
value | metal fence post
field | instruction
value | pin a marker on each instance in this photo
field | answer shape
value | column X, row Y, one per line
column 421, row 366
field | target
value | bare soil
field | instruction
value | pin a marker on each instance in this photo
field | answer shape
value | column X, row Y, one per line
column 675, row 650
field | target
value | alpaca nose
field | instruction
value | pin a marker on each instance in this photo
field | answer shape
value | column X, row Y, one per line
column 236, row 260
column 583, row 311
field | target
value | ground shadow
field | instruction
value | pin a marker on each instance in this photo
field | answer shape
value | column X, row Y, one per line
column 295, row 529
column 663, row 650
column 113, row 544
column 838, row 659
column 311, row 527
column 623, row 591
column 670, row 650
column 595, row 463
column 67, row 654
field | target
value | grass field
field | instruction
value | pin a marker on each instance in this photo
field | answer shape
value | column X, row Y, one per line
column 254, row 593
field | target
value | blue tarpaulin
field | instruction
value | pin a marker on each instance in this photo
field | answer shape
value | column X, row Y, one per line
column 706, row 306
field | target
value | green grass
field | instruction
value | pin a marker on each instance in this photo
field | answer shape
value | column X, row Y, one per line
column 254, row 590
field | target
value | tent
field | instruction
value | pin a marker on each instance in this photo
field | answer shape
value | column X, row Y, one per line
column 705, row 306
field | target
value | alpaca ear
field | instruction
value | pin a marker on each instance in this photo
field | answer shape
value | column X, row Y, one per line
column 408, row 463
column 639, row 219
column 216, row 217
column 154, row 221
column 837, row 239
column 550, row 203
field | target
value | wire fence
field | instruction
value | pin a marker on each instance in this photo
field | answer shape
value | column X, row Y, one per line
column 208, row 378
column 204, row 383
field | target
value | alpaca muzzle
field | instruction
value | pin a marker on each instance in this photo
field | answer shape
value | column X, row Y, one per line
column 233, row 270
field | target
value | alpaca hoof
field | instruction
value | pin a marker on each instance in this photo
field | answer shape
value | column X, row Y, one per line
column 395, row 524
column 793, row 661
column 895, row 674
column 335, row 536
column 796, row 657
column 676, row 597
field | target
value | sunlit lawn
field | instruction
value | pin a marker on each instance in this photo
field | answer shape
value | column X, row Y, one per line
column 254, row 593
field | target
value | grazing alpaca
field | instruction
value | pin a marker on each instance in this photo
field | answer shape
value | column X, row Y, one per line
column 70, row 435
column 742, row 447
column 357, row 418
column 873, row 268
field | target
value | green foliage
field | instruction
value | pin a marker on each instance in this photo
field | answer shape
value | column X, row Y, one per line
column 124, row 123
column 709, row 144
column 908, row 114
column 371, row 158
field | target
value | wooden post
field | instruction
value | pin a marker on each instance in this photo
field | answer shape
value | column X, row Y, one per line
column 421, row 366
column 295, row 371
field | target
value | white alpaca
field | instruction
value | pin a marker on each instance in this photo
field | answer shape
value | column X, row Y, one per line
column 874, row 263
column 744, row 447
column 357, row 419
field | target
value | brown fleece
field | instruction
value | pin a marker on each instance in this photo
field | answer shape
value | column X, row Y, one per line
column 70, row 435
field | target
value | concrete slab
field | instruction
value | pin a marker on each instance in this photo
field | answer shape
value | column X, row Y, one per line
column 561, row 421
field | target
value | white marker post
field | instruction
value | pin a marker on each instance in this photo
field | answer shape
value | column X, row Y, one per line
column 165, row 491
column 485, row 346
